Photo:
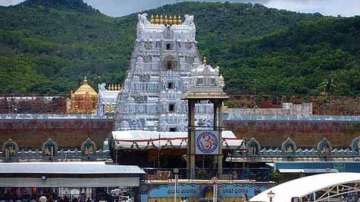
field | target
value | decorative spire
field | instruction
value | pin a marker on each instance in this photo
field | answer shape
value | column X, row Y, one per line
column 161, row 21
column 173, row 20
column 204, row 60
column 85, row 80
column 221, row 81
column 166, row 20
column 179, row 20
column 152, row 19
column 157, row 19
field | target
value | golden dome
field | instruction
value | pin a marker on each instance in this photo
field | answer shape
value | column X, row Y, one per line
column 84, row 89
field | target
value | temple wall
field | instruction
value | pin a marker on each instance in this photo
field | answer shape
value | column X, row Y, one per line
column 286, row 109
column 304, row 133
column 70, row 133
column 67, row 133
column 322, row 105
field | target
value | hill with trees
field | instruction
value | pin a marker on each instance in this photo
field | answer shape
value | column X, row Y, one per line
column 48, row 46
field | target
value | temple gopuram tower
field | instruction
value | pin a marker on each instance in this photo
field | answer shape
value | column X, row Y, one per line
column 165, row 52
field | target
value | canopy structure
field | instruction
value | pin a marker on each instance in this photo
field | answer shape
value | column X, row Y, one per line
column 312, row 188
column 69, row 174
column 139, row 139
column 316, row 167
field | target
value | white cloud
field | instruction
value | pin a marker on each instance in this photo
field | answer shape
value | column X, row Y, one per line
column 9, row 2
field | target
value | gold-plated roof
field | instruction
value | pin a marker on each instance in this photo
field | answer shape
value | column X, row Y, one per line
column 84, row 89
column 166, row 20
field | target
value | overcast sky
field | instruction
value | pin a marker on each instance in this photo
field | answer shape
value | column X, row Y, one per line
column 325, row 7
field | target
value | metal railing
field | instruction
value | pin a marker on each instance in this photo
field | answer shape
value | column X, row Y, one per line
column 258, row 174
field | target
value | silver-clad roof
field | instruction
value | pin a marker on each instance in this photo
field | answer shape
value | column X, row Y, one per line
column 67, row 168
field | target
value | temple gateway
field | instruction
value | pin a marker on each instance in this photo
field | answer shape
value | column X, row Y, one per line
column 164, row 56
column 152, row 108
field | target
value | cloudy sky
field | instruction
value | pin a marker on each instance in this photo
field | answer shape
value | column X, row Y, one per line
column 325, row 7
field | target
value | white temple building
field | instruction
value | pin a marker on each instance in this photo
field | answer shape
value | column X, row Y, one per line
column 107, row 98
column 162, row 62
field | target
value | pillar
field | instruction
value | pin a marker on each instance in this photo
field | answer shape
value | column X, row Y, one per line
column 220, row 128
column 191, row 139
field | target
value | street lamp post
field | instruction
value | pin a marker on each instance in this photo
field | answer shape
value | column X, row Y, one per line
column 271, row 195
column 215, row 189
column 176, row 174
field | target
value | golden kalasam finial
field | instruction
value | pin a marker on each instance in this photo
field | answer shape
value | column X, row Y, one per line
column 157, row 19
column 152, row 19
column 171, row 20
column 166, row 21
column 85, row 79
column 204, row 60
column 179, row 20
column 161, row 21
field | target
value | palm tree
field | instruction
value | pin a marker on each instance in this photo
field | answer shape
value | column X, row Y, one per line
column 327, row 87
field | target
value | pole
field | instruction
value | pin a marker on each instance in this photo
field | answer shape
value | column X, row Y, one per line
column 215, row 190
column 158, row 153
column 176, row 172
column 191, row 141
column 175, row 189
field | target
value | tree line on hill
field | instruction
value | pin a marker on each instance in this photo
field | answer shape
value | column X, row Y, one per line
column 47, row 47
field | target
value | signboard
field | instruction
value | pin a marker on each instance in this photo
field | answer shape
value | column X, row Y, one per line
column 232, row 191
column 207, row 142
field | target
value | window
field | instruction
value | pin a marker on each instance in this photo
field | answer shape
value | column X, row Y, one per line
column 168, row 46
column 189, row 60
column 188, row 45
column 171, row 107
column 173, row 129
column 148, row 45
column 199, row 81
column 170, row 85
column 169, row 65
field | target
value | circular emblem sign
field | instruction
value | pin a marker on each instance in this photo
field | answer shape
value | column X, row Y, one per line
column 207, row 142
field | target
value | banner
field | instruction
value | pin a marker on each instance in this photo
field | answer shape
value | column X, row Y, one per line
column 207, row 142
